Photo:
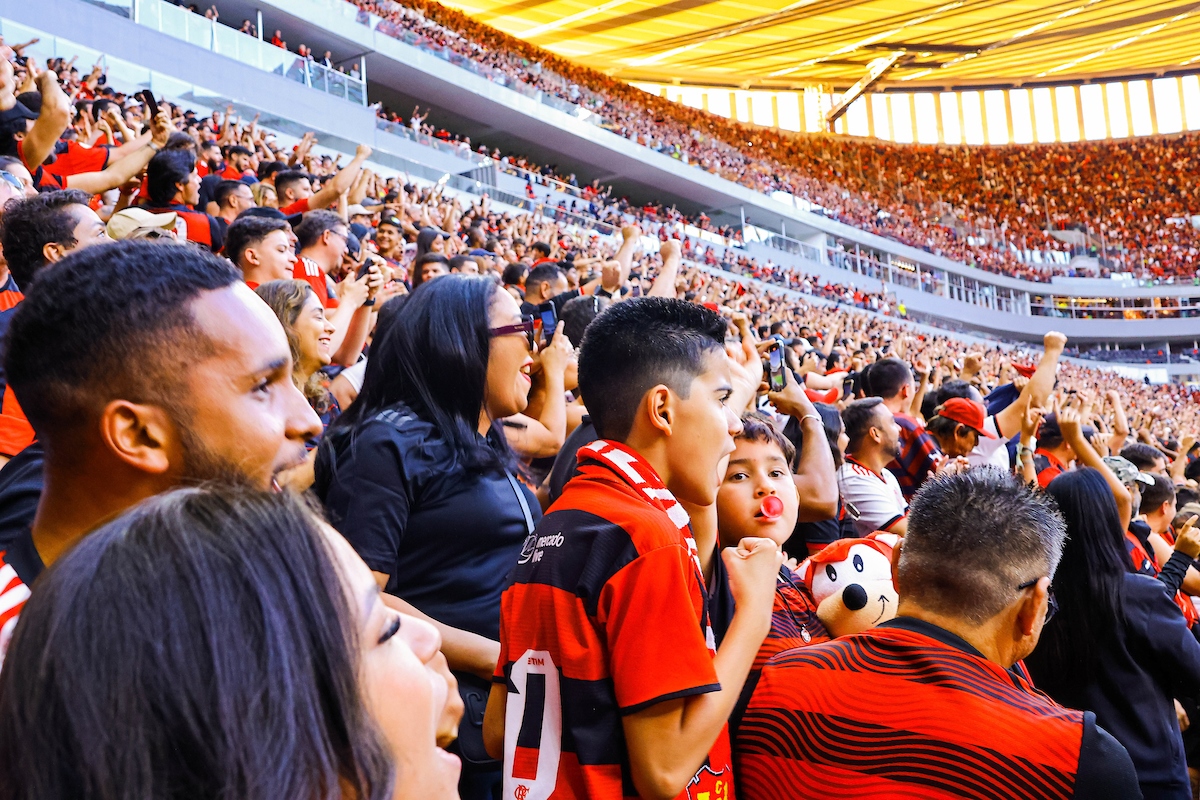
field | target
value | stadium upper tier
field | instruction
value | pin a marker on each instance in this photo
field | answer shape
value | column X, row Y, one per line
column 1019, row 211
column 791, row 227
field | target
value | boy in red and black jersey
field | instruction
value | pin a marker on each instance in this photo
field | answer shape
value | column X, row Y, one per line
column 609, row 682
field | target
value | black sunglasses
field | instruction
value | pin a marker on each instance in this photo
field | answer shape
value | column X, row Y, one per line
column 525, row 326
column 1051, row 603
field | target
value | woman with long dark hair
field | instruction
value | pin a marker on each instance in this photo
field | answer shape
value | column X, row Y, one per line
column 419, row 478
column 1118, row 645
column 221, row 643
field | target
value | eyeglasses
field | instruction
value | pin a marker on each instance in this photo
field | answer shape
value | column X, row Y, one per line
column 1051, row 603
column 13, row 181
column 525, row 326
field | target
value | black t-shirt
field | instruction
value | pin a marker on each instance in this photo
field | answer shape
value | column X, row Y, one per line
column 446, row 536
column 564, row 463
column 5, row 320
column 208, row 187
column 21, row 485
column 559, row 301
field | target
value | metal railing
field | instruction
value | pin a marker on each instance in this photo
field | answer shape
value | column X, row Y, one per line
column 424, row 139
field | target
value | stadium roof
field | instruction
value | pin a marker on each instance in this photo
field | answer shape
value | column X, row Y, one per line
column 790, row 43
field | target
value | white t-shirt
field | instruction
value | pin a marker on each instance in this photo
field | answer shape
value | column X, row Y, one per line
column 990, row 452
column 877, row 497
column 355, row 374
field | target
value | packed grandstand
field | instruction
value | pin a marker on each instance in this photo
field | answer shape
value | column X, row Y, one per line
column 443, row 488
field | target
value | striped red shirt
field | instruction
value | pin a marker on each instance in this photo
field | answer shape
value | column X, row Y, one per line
column 898, row 712
column 13, row 595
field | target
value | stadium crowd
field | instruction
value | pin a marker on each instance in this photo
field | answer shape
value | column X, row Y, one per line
column 325, row 484
column 991, row 207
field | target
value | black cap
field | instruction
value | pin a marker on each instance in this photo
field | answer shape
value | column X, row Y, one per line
column 19, row 111
column 272, row 213
column 31, row 100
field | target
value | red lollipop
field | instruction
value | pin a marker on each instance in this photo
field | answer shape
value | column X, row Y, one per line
column 772, row 507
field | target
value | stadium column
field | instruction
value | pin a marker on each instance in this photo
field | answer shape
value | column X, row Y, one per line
column 1128, row 109
column 1032, row 116
column 733, row 109
column 1107, row 118
column 890, row 121
column 912, row 114
column 867, row 101
column 962, row 119
column 937, row 113
column 1054, row 113
column 1079, row 111
column 987, row 137
column 1153, row 108
column 775, row 110
column 1183, row 126
column 1008, row 113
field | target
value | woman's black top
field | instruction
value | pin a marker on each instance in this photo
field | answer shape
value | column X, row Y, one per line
column 1138, row 671
column 446, row 536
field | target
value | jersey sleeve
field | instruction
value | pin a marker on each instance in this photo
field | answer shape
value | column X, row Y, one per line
column 1106, row 771
column 655, row 640
column 368, row 504
column 877, row 504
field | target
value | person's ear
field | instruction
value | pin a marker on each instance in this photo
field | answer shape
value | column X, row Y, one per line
column 1029, row 612
column 251, row 256
column 896, row 565
column 143, row 436
column 53, row 252
column 659, row 402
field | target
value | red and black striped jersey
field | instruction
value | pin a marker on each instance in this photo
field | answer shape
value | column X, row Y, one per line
column 605, row 616
column 900, row 711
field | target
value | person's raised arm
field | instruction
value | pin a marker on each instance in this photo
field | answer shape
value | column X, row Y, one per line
column 1120, row 431
column 1037, row 392
column 664, row 282
column 343, row 181
column 544, row 436
column 1031, row 418
column 54, row 118
column 121, row 172
column 629, row 243
column 1071, row 425
column 1186, row 443
column 921, row 365
column 815, row 476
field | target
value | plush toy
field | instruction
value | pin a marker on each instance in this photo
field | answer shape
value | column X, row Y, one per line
column 851, row 582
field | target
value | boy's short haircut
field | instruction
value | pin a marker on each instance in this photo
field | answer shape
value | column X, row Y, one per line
column 758, row 427
column 246, row 232
column 858, row 418
column 1161, row 491
column 638, row 344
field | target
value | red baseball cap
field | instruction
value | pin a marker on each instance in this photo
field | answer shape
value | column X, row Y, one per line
column 966, row 412
column 1025, row 369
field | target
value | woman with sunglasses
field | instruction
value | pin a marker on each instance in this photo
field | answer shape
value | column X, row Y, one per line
column 1118, row 645
column 418, row 476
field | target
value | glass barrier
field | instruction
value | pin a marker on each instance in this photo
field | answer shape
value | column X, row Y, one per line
column 196, row 29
